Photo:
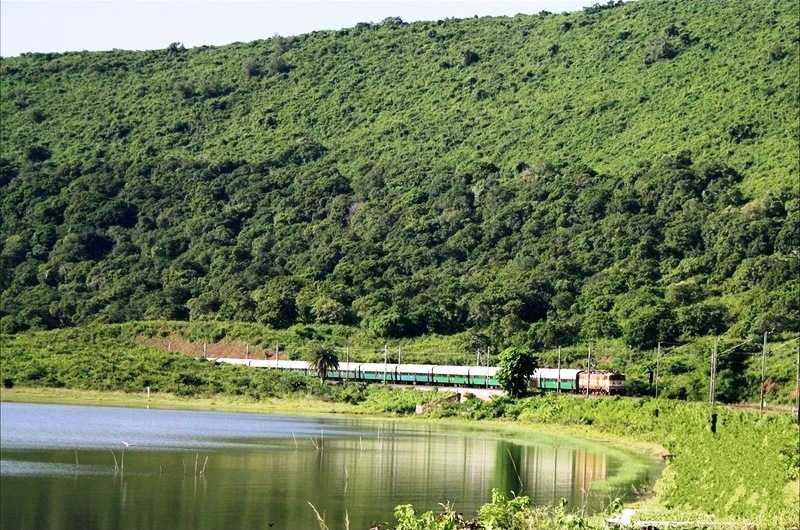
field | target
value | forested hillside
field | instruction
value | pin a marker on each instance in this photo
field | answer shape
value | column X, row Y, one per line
column 627, row 171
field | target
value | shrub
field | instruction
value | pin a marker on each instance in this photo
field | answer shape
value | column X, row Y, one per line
column 278, row 65
column 185, row 90
column 251, row 69
column 470, row 57
column 38, row 153
column 659, row 48
column 175, row 48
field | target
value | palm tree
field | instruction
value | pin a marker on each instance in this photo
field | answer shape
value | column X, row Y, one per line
column 322, row 360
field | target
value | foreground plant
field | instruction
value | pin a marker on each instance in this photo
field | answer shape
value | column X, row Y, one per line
column 502, row 513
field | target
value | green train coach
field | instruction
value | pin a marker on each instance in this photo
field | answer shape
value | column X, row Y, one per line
column 569, row 380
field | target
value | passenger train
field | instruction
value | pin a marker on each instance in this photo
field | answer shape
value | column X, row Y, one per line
column 549, row 379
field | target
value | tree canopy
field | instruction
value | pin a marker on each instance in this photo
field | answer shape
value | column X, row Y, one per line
column 537, row 179
column 515, row 369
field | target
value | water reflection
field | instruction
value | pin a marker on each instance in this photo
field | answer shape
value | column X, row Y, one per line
column 260, row 471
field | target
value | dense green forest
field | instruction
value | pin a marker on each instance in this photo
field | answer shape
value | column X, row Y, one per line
column 626, row 172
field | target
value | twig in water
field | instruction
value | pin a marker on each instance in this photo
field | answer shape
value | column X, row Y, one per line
column 204, row 465
column 346, row 520
column 196, row 458
column 116, row 467
column 320, row 519
column 76, row 458
column 519, row 478
column 295, row 440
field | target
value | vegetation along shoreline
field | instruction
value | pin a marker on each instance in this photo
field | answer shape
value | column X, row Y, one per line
column 754, row 456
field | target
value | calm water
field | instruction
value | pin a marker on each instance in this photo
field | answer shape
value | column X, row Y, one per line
column 67, row 467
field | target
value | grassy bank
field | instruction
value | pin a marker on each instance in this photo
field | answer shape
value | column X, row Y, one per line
column 296, row 404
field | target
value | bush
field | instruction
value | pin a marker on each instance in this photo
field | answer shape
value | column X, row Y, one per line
column 278, row 65
column 659, row 48
column 470, row 57
column 38, row 153
column 251, row 69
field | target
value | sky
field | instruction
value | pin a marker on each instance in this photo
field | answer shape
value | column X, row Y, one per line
column 73, row 25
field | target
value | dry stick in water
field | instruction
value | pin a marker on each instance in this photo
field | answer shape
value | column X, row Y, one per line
column 116, row 467
column 196, row 458
column 320, row 519
column 295, row 440
column 204, row 465
column 519, row 478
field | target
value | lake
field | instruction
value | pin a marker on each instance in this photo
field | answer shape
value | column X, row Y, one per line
column 84, row 467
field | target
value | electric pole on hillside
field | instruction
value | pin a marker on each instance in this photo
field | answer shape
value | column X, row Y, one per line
column 658, row 364
column 385, row 360
column 712, row 386
column 558, row 387
column 347, row 360
column 763, row 368
column 588, row 368
column 797, row 388
column 486, row 361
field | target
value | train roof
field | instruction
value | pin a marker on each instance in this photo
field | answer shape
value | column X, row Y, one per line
column 435, row 369
column 553, row 373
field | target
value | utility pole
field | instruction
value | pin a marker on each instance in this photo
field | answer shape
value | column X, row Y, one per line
column 712, row 388
column 763, row 368
column 347, row 360
column 486, row 363
column 558, row 385
column 588, row 369
column 797, row 389
column 385, row 360
column 712, row 384
column 398, row 355
column 658, row 364
column 247, row 351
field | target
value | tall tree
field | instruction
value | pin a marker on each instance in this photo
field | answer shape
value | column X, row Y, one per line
column 322, row 360
column 516, row 368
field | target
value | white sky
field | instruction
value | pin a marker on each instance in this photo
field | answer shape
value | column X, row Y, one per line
column 65, row 25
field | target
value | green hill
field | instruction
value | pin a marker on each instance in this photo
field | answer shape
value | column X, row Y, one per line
column 626, row 172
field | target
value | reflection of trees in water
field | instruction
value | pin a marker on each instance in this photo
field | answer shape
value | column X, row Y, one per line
column 548, row 473
column 508, row 474
column 271, row 483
